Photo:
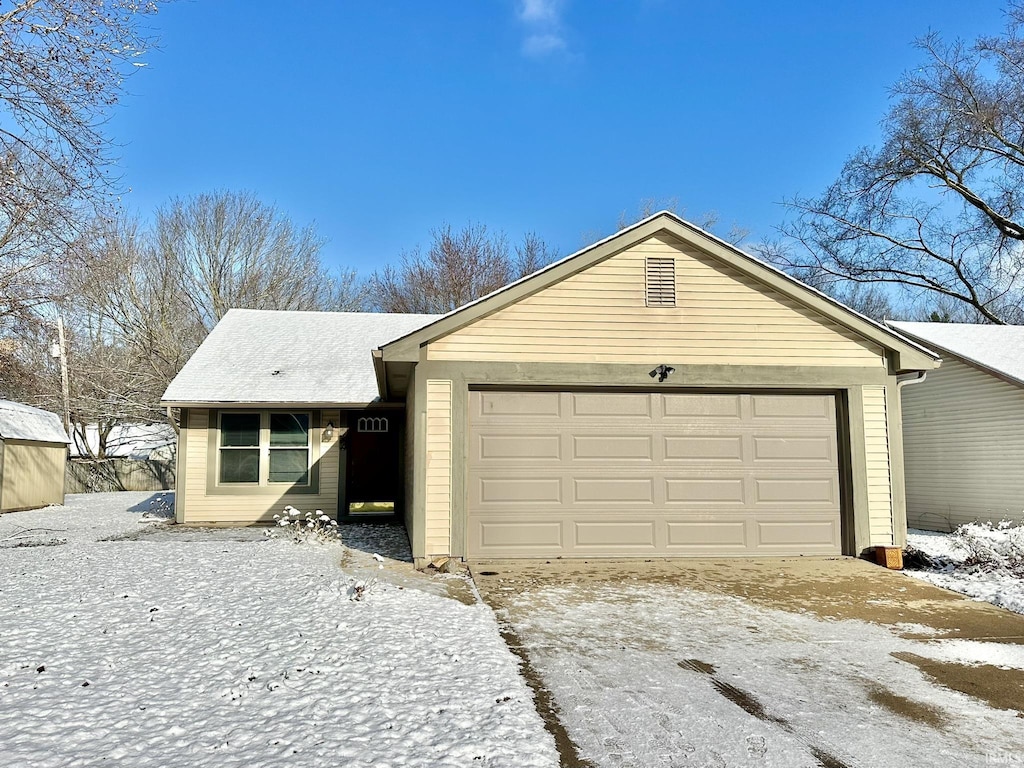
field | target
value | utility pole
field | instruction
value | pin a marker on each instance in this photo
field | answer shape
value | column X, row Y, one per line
column 62, row 345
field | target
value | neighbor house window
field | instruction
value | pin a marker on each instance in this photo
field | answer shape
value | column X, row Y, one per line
column 661, row 282
column 264, row 448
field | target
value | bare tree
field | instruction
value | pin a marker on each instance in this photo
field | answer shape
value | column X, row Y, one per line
column 938, row 208
column 139, row 301
column 229, row 249
column 62, row 68
column 459, row 266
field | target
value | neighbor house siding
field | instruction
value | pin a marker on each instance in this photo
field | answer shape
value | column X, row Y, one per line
column 963, row 433
column 33, row 474
column 439, row 467
column 601, row 315
column 879, row 476
column 203, row 507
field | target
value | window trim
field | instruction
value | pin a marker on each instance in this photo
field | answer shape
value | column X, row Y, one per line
column 264, row 487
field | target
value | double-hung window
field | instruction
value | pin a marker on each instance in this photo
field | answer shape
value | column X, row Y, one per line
column 264, row 448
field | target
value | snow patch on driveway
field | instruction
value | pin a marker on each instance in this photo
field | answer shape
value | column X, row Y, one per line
column 230, row 649
column 662, row 675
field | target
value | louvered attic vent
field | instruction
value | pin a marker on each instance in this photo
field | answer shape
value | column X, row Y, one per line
column 661, row 282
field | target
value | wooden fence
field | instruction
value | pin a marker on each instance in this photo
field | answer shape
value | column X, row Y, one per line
column 97, row 476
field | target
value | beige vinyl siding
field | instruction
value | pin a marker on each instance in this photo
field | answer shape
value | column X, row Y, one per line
column 879, row 477
column 439, row 467
column 201, row 507
column 33, row 474
column 409, row 458
column 601, row 315
column 963, row 444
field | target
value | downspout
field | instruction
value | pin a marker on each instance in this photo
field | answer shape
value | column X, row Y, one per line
column 918, row 378
column 892, row 557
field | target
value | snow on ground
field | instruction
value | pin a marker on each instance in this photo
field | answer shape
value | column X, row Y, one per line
column 662, row 675
column 224, row 648
column 985, row 562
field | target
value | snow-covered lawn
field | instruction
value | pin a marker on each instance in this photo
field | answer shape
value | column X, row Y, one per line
column 982, row 561
column 129, row 643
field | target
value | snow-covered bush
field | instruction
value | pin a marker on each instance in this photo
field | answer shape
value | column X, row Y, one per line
column 991, row 546
column 357, row 589
column 303, row 526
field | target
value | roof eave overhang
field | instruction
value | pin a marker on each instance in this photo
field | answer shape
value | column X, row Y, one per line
column 1001, row 375
column 270, row 404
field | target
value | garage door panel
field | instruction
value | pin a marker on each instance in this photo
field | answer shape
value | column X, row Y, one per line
column 610, row 447
column 819, row 449
column 796, row 490
column 604, row 405
column 613, row 535
column 723, row 448
column 810, row 534
column 707, row 535
column 520, row 535
column 506, row 491
column 717, row 407
column 702, row 491
column 600, row 491
column 503, row 448
column 617, row 474
column 820, row 407
column 498, row 404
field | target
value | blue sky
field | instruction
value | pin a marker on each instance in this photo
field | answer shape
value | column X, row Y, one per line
column 380, row 120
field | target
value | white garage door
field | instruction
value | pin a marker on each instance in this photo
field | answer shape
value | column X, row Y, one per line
column 588, row 474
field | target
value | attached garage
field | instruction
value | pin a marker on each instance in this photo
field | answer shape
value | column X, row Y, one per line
column 659, row 394
column 604, row 474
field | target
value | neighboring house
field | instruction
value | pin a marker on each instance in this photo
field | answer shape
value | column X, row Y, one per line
column 657, row 394
column 963, row 427
column 126, row 441
column 33, row 452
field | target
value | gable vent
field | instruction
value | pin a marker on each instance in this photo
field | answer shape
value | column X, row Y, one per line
column 661, row 282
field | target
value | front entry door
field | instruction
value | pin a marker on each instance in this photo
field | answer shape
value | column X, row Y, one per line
column 373, row 476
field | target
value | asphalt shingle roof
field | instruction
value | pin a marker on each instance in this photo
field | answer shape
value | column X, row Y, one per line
column 263, row 356
column 1000, row 348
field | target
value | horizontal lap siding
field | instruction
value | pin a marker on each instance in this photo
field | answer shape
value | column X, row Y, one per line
column 963, row 434
column 879, row 478
column 600, row 315
column 439, row 467
column 201, row 507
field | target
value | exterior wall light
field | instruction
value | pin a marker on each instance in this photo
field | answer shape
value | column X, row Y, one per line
column 662, row 372
column 329, row 431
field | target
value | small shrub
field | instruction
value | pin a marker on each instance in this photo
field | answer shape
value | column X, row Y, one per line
column 305, row 526
column 991, row 546
column 358, row 589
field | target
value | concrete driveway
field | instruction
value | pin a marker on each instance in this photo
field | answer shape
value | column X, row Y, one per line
column 800, row 662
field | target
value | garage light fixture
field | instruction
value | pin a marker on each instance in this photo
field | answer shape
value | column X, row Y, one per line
column 662, row 372
column 329, row 431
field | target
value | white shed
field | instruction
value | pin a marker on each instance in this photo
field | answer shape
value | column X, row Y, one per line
column 33, row 453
